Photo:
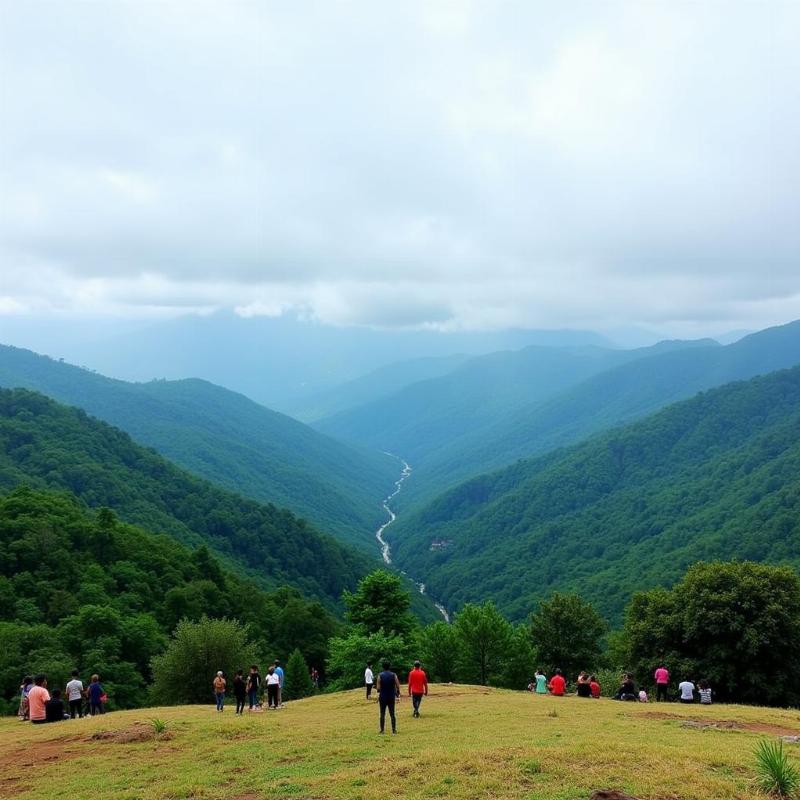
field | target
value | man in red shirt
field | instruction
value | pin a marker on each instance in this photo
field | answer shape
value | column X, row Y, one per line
column 37, row 697
column 557, row 684
column 417, row 686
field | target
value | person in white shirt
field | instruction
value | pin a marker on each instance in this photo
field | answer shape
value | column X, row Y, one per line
column 686, row 688
column 75, row 695
column 369, row 680
column 273, row 685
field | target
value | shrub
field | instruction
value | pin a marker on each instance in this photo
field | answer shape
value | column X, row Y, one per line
column 776, row 776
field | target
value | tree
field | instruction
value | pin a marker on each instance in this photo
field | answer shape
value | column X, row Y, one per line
column 520, row 659
column 566, row 632
column 483, row 637
column 350, row 654
column 197, row 650
column 297, row 681
column 735, row 624
column 436, row 648
column 380, row 602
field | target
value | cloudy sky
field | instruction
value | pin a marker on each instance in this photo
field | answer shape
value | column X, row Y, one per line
column 464, row 164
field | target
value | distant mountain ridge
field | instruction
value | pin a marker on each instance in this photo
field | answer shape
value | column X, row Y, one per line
column 715, row 476
column 228, row 439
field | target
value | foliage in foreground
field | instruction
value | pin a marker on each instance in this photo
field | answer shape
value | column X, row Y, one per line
column 776, row 776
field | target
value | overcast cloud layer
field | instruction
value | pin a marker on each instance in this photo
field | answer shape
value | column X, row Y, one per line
column 451, row 164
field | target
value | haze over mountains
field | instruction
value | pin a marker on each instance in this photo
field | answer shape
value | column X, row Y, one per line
column 495, row 507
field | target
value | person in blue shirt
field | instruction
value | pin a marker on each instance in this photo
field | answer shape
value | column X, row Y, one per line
column 279, row 673
column 96, row 693
column 388, row 692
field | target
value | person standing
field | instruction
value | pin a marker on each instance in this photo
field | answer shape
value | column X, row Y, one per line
column 662, row 683
column 273, row 688
column 24, row 708
column 253, row 685
column 239, row 690
column 37, row 697
column 219, row 690
column 417, row 686
column 74, row 690
column 541, row 682
column 279, row 673
column 557, row 685
column 96, row 693
column 686, row 688
column 369, row 679
column 388, row 692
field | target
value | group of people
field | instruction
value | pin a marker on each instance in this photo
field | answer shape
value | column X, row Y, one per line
column 587, row 686
column 388, row 690
column 39, row 705
column 250, row 687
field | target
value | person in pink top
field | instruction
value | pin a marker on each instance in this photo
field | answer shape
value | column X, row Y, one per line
column 662, row 682
column 37, row 697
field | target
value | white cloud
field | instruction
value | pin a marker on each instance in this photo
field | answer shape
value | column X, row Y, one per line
column 447, row 164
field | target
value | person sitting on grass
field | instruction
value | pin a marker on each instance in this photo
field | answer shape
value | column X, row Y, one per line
column 54, row 708
column 705, row 693
column 37, row 697
column 557, row 685
column 594, row 687
column 627, row 689
column 686, row 688
column 541, row 682
column 23, row 712
column 583, row 688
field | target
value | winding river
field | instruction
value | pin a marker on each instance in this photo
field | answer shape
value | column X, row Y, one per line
column 386, row 550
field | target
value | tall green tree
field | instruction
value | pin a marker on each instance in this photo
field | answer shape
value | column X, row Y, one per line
column 437, row 646
column 735, row 624
column 380, row 602
column 197, row 650
column 350, row 654
column 297, row 681
column 484, row 638
column 566, row 632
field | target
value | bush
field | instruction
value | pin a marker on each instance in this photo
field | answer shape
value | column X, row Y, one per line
column 776, row 776
column 185, row 672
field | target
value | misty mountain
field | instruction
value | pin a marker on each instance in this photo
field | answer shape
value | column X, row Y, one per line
column 226, row 438
column 278, row 361
column 713, row 477
column 610, row 398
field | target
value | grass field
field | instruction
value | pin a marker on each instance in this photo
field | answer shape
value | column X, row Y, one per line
column 470, row 742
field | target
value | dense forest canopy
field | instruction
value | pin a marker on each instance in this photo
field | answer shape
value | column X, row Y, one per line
column 50, row 446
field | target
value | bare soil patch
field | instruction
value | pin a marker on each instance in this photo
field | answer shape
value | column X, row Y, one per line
column 135, row 733
column 724, row 724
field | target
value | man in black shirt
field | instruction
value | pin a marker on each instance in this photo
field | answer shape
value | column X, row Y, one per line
column 253, row 685
column 54, row 708
column 388, row 692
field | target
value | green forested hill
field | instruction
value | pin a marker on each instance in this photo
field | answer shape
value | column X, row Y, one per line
column 81, row 589
column 717, row 476
column 614, row 396
column 228, row 439
column 49, row 446
column 427, row 419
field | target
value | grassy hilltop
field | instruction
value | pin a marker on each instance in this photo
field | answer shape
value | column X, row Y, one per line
column 471, row 742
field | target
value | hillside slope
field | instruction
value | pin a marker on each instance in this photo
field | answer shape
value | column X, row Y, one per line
column 326, row 747
column 717, row 476
column 228, row 439
column 615, row 396
column 49, row 446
